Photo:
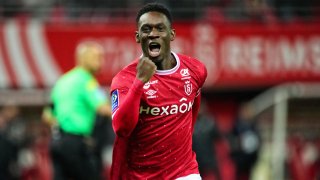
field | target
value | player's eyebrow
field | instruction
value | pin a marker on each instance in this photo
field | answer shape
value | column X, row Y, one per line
column 152, row 25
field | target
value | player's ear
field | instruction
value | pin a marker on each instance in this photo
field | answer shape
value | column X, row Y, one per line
column 137, row 37
column 172, row 34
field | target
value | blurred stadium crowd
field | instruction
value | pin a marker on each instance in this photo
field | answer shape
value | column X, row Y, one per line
column 217, row 10
column 223, row 153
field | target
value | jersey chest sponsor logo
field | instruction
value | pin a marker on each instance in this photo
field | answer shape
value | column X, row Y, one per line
column 185, row 73
column 182, row 107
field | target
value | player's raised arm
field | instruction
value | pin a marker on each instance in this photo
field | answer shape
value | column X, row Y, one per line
column 125, row 104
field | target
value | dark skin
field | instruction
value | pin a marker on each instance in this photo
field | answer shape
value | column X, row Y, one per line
column 154, row 30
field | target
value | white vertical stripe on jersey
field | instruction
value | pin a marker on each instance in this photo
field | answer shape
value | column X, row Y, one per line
column 21, row 69
column 42, row 54
column 4, row 80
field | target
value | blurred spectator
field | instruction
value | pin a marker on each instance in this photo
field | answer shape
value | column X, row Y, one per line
column 77, row 9
column 186, row 9
column 303, row 158
column 289, row 10
column 38, row 8
column 214, row 10
column 12, row 138
column 10, row 8
column 205, row 134
column 33, row 158
column 245, row 142
column 249, row 10
column 102, row 135
column 104, row 138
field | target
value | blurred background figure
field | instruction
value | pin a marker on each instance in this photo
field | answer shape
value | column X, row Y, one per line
column 10, row 8
column 11, row 137
column 205, row 137
column 76, row 100
column 245, row 142
column 104, row 138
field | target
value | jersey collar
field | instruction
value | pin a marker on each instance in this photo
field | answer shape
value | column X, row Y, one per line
column 170, row 71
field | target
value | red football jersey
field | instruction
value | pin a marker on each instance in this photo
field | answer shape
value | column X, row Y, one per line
column 160, row 144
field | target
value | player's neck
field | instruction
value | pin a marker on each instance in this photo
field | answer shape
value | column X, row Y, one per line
column 168, row 63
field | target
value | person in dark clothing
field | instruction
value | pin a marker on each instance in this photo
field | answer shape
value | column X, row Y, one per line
column 12, row 138
column 7, row 156
column 206, row 133
column 103, row 137
column 245, row 142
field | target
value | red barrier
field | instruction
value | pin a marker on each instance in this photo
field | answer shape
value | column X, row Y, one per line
column 236, row 55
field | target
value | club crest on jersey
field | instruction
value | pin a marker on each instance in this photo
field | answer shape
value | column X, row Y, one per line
column 187, row 87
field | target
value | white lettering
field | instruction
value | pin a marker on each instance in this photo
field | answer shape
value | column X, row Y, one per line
column 155, row 111
column 146, row 110
column 190, row 105
column 232, row 54
column 205, row 47
column 293, row 54
column 254, row 51
column 183, row 108
column 174, row 109
column 258, row 55
column 167, row 110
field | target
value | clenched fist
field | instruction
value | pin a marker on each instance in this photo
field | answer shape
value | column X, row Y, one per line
column 145, row 69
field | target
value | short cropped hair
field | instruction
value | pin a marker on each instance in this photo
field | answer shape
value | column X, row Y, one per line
column 150, row 7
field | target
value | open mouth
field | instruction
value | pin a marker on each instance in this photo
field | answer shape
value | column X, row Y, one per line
column 154, row 49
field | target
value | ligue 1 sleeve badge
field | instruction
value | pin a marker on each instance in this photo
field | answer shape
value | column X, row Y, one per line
column 115, row 100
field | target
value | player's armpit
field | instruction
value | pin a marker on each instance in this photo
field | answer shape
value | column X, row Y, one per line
column 125, row 109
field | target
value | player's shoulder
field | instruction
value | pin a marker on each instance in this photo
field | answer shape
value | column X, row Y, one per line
column 194, row 66
column 125, row 76
column 191, row 62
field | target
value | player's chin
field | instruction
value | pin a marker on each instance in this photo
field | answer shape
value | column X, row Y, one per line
column 155, row 59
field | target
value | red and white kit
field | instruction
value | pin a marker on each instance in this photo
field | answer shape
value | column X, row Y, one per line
column 154, row 121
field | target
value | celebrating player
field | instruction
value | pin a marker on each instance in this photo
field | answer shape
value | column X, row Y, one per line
column 155, row 102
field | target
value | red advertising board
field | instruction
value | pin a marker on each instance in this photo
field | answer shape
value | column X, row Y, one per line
column 236, row 55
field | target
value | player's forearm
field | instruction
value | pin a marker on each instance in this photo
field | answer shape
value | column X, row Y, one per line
column 126, row 116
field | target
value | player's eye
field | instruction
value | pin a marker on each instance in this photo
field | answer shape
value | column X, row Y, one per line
column 161, row 28
column 146, row 29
